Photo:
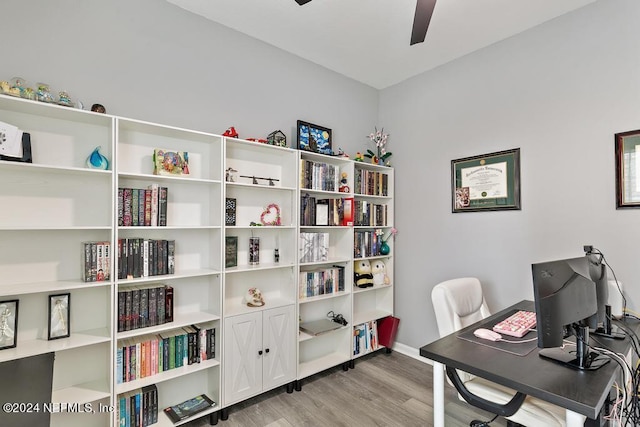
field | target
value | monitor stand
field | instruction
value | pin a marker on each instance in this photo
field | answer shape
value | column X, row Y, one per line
column 581, row 358
column 607, row 329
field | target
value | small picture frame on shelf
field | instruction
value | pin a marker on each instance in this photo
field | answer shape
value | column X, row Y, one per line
column 231, row 251
column 8, row 324
column 170, row 163
column 314, row 138
column 59, row 309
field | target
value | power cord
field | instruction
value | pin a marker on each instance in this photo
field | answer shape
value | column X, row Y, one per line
column 338, row 318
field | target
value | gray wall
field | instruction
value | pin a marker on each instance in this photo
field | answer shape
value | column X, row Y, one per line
column 559, row 92
column 150, row 60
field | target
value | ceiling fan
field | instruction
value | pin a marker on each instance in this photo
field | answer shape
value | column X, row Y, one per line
column 424, row 10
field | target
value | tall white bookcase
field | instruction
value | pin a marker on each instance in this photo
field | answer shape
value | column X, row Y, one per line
column 320, row 177
column 55, row 204
column 259, row 342
column 49, row 208
column 193, row 221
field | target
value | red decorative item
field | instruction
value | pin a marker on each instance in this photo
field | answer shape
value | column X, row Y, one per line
column 231, row 132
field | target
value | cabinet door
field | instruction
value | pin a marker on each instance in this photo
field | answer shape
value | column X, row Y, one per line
column 243, row 356
column 279, row 361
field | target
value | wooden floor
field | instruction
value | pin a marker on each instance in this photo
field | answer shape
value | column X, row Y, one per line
column 381, row 390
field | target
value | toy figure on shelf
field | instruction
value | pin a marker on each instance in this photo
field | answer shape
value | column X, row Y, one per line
column 379, row 273
column 341, row 153
column 359, row 157
column 229, row 175
column 362, row 276
column 344, row 188
column 231, row 132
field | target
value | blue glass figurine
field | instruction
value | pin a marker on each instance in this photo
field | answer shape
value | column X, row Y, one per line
column 97, row 160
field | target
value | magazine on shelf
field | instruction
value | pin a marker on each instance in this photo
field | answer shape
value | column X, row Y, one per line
column 189, row 408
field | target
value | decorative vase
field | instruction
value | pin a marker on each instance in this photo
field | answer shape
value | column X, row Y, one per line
column 97, row 160
column 385, row 248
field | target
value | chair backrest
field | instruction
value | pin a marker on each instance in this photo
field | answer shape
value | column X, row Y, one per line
column 458, row 303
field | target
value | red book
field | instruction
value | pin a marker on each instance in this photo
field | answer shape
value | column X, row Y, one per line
column 387, row 329
column 347, row 211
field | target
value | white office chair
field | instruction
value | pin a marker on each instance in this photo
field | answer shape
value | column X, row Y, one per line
column 459, row 303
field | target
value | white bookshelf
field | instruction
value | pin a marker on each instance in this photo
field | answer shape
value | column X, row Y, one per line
column 56, row 203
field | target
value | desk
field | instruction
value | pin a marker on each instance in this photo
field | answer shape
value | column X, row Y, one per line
column 581, row 393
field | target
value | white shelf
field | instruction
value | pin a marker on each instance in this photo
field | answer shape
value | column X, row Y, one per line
column 261, row 266
column 306, row 369
column 165, row 178
column 165, row 421
column 179, row 320
column 40, row 346
column 322, row 297
column 41, row 287
column 167, row 375
column 357, row 290
column 82, row 393
column 179, row 274
column 237, row 307
column 370, row 315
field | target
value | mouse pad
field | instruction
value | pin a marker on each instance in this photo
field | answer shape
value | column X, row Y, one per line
column 519, row 346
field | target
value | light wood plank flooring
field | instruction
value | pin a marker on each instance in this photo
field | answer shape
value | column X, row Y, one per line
column 382, row 390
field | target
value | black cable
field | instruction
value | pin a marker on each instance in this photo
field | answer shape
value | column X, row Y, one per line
column 604, row 260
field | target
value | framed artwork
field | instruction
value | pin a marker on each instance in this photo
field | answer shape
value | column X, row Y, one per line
column 314, row 138
column 8, row 324
column 489, row 182
column 59, row 309
column 627, row 169
column 231, row 251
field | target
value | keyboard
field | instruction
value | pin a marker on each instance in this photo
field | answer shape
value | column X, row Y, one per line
column 517, row 325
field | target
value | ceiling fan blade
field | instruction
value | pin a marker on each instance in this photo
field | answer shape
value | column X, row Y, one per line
column 302, row 2
column 424, row 10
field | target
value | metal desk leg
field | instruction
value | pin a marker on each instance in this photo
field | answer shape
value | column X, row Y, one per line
column 438, row 395
column 574, row 419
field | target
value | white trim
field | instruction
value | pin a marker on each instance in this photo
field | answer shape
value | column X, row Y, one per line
column 411, row 352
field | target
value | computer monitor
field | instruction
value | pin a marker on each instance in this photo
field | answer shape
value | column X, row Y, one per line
column 565, row 298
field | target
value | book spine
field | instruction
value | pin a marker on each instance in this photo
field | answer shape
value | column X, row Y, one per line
column 171, row 257
column 86, row 261
column 162, row 206
column 147, row 207
column 168, row 308
column 154, row 204
column 126, row 207
column 140, row 206
column 135, row 200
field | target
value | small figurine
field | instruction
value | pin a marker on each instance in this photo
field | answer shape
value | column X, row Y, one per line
column 64, row 99
column 379, row 272
column 4, row 86
column 43, row 93
column 231, row 132
column 344, row 188
column 229, row 175
column 254, row 298
column 341, row 153
column 359, row 157
column 97, row 161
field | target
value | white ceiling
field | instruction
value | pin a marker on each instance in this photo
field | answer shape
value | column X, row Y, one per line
column 368, row 40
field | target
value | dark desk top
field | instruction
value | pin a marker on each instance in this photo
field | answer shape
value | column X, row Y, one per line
column 583, row 392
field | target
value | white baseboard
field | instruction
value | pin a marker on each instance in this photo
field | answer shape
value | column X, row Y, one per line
column 411, row 352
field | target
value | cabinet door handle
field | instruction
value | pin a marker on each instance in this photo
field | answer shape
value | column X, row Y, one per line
column 266, row 350
column 259, row 352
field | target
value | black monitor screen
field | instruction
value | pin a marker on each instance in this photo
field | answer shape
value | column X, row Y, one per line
column 564, row 295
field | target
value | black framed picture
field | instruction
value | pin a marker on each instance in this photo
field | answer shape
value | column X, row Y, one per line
column 314, row 138
column 8, row 324
column 489, row 182
column 59, row 309
column 231, row 251
column 627, row 169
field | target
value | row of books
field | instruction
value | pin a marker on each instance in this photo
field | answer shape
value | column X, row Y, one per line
column 371, row 183
column 148, row 355
column 369, row 214
column 365, row 337
column 96, row 261
column 314, row 247
column 366, row 243
column 138, row 207
column 140, row 257
column 325, row 212
column 144, row 306
column 319, row 176
column 321, row 282
column 138, row 408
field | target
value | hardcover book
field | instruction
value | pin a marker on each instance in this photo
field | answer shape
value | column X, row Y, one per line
column 167, row 162
column 189, row 408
